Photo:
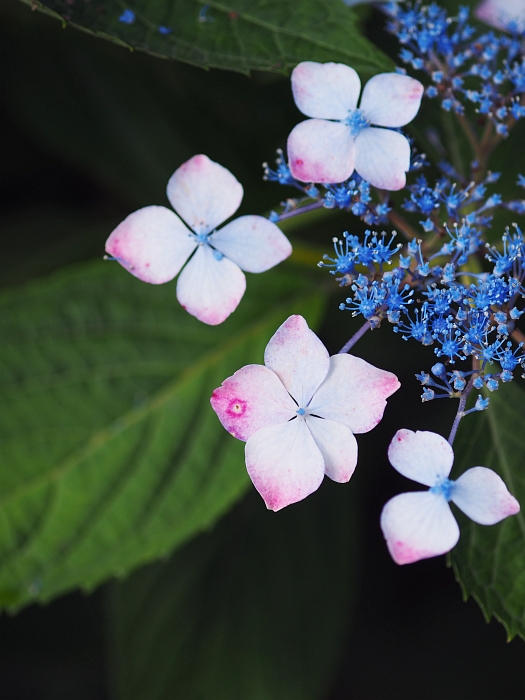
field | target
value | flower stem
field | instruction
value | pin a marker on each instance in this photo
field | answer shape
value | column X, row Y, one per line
column 402, row 225
column 463, row 402
column 353, row 340
column 301, row 210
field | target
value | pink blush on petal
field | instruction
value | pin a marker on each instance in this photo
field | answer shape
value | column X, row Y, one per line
column 404, row 554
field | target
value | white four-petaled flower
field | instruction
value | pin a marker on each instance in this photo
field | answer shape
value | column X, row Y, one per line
column 154, row 244
column 341, row 137
column 420, row 524
column 298, row 414
column 502, row 13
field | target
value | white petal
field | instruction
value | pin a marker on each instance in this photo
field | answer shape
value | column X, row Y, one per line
column 298, row 358
column 253, row 398
column 152, row 243
column 325, row 90
column 482, row 495
column 391, row 99
column 284, row 463
column 321, row 151
column 338, row 447
column 382, row 157
column 210, row 289
column 252, row 242
column 204, row 193
column 499, row 13
column 417, row 526
column 422, row 456
column 354, row 393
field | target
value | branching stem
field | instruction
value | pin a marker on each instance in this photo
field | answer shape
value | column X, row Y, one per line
column 353, row 340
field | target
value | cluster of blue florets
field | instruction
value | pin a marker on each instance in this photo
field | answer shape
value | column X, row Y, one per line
column 437, row 301
column 465, row 66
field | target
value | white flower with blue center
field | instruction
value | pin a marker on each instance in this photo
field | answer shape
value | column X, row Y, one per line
column 420, row 524
column 154, row 244
column 341, row 137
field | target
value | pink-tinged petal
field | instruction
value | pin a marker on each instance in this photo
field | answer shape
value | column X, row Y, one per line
column 422, row 456
column 204, row 193
column 284, row 463
column 252, row 242
column 253, row 398
column 210, row 289
column 354, row 393
column 500, row 13
column 298, row 358
column 338, row 447
column 325, row 90
column 382, row 157
column 152, row 243
column 321, row 151
column 482, row 495
column 391, row 99
column 417, row 526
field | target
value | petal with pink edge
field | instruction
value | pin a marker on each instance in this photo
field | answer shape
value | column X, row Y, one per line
column 204, row 193
column 152, row 243
column 321, row 151
column 499, row 13
column 417, row 526
column 338, row 447
column 210, row 289
column 325, row 90
column 482, row 495
column 252, row 242
column 382, row 157
column 284, row 463
column 354, row 393
column 422, row 456
column 391, row 99
column 253, row 398
column 298, row 358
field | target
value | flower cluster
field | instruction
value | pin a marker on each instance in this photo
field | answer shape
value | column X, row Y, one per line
column 483, row 69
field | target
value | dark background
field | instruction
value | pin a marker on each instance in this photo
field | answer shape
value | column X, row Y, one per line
column 90, row 132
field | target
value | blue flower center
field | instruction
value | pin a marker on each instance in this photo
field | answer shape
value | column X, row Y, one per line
column 301, row 412
column 201, row 238
column 357, row 121
column 444, row 487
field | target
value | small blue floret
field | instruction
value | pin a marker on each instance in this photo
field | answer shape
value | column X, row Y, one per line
column 127, row 17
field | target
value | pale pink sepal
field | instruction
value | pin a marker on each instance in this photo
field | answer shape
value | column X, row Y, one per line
column 422, row 456
column 253, row 398
column 152, row 243
column 321, row 151
column 354, row 393
column 483, row 496
column 204, row 193
column 382, row 157
column 254, row 243
column 284, row 463
column 325, row 90
column 338, row 447
column 298, row 358
column 417, row 526
column 210, row 289
column 391, row 99
column 499, row 13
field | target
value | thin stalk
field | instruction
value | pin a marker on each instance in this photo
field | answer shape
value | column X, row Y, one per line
column 463, row 402
column 353, row 340
column 402, row 225
column 301, row 210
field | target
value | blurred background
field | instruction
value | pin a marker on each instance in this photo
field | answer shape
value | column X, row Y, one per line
column 303, row 604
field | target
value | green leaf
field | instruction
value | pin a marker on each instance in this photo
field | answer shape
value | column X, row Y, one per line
column 110, row 453
column 256, row 610
column 489, row 562
column 238, row 35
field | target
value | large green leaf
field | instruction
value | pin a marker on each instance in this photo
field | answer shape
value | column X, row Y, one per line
column 239, row 35
column 490, row 561
column 110, row 454
column 256, row 610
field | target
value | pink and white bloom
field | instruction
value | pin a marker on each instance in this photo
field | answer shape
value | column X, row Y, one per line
column 502, row 13
column 299, row 411
column 420, row 524
column 154, row 244
column 341, row 137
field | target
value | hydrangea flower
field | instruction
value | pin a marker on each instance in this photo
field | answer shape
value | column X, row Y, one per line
column 502, row 13
column 420, row 524
column 341, row 137
column 154, row 244
column 298, row 413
